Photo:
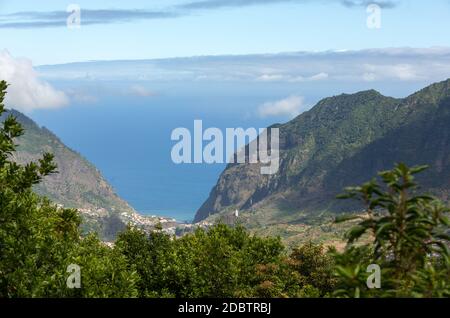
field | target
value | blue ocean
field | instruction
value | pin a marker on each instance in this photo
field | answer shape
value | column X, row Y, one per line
column 128, row 139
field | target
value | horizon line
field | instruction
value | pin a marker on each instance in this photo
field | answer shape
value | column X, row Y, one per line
column 405, row 49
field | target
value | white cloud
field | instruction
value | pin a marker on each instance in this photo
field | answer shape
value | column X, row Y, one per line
column 141, row 91
column 319, row 76
column 374, row 65
column 26, row 91
column 291, row 106
column 292, row 79
column 316, row 77
column 369, row 77
column 403, row 72
column 270, row 78
column 81, row 96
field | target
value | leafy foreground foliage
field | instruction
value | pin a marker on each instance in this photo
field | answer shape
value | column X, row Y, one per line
column 221, row 262
column 410, row 240
column 39, row 240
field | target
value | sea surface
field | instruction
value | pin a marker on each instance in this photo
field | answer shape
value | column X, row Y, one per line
column 128, row 138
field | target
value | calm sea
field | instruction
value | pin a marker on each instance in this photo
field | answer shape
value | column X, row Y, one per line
column 128, row 139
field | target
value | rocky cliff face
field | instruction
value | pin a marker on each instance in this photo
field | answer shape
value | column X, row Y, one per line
column 78, row 184
column 342, row 141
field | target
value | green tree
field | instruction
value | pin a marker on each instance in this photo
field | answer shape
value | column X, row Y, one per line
column 221, row 261
column 315, row 266
column 410, row 239
column 38, row 240
column 153, row 258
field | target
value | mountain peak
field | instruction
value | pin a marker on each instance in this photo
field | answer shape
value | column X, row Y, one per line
column 358, row 96
column 345, row 135
column 431, row 94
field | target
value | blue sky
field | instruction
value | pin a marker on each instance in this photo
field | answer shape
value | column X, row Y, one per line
column 324, row 44
column 215, row 27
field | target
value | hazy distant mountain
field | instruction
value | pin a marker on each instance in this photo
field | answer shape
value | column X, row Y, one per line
column 342, row 141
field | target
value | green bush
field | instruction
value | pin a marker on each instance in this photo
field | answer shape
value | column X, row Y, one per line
column 410, row 240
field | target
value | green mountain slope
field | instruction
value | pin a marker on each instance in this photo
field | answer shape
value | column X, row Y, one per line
column 78, row 184
column 341, row 141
